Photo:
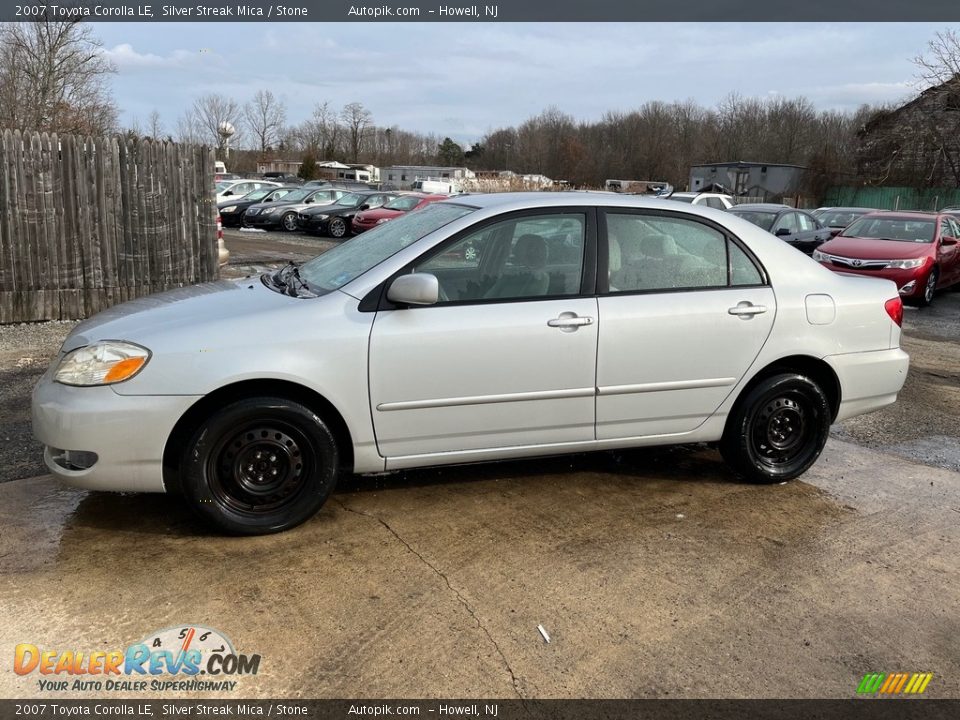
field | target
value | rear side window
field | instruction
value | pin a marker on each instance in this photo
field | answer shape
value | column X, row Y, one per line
column 654, row 253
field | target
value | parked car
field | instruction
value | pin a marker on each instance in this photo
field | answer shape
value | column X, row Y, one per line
column 284, row 213
column 283, row 178
column 340, row 184
column 221, row 176
column 917, row 251
column 714, row 200
column 336, row 220
column 236, row 189
column 251, row 398
column 232, row 210
column 795, row 227
column 435, row 186
column 395, row 208
column 837, row 218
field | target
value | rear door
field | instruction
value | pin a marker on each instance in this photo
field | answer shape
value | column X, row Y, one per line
column 684, row 311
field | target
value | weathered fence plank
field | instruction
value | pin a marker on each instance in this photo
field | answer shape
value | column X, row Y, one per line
column 87, row 222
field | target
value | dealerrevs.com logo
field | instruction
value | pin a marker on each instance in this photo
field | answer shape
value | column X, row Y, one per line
column 184, row 658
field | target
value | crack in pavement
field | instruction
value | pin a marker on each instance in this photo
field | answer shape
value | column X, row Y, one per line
column 460, row 598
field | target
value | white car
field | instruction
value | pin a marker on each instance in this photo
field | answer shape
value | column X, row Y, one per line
column 714, row 200
column 236, row 189
column 579, row 322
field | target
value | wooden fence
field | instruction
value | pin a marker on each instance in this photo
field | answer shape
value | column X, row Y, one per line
column 89, row 222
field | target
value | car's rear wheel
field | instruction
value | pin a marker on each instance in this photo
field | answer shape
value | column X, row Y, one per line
column 778, row 430
column 337, row 227
column 289, row 221
column 259, row 465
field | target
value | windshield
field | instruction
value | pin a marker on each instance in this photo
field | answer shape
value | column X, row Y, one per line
column 345, row 262
column 296, row 195
column 760, row 219
column 351, row 200
column 224, row 184
column 403, row 203
column 258, row 194
column 838, row 218
column 884, row 228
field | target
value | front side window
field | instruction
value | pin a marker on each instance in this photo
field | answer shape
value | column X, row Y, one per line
column 521, row 258
column 806, row 222
column 788, row 222
column 653, row 253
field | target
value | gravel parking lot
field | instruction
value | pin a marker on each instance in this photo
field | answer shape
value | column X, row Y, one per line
column 655, row 572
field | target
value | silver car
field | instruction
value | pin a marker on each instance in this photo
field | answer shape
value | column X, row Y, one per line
column 478, row 328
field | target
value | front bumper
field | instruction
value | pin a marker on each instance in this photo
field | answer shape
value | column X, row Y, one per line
column 127, row 433
column 868, row 380
column 917, row 276
column 260, row 220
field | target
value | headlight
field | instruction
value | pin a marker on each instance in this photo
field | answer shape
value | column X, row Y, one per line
column 906, row 264
column 103, row 363
column 268, row 211
column 381, row 221
column 320, row 217
column 232, row 208
column 819, row 256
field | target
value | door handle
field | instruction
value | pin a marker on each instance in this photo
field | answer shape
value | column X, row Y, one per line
column 747, row 309
column 569, row 322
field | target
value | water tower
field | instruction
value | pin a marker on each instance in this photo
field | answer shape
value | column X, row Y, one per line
column 225, row 130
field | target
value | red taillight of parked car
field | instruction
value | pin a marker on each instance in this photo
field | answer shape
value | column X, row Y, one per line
column 894, row 308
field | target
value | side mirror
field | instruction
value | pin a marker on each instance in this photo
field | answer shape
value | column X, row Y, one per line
column 363, row 207
column 782, row 231
column 414, row 289
column 948, row 241
column 228, row 192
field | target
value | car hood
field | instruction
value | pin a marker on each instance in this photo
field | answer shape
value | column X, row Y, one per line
column 330, row 210
column 209, row 303
column 871, row 249
column 379, row 214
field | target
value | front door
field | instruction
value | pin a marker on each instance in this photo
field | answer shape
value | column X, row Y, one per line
column 506, row 358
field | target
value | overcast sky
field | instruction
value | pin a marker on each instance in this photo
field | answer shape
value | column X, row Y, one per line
column 463, row 80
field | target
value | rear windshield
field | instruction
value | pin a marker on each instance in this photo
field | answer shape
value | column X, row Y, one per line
column 838, row 218
column 403, row 203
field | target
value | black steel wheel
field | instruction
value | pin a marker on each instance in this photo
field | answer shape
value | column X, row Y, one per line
column 289, row 222
column 337, row 227
column 778, row 430
column 260, row 465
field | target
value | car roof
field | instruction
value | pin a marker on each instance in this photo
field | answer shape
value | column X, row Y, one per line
column 768, row 207
column 851, row 209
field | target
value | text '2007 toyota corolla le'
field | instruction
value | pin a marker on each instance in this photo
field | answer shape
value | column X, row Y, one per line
column 478, row 328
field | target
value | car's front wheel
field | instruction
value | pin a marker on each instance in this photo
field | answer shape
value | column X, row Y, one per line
column 929, row 288
column 260, row 465
column 289, row 222
column 337, row 227
column 778, row 430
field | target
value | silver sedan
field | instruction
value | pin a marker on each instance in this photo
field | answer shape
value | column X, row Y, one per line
column 478, row 328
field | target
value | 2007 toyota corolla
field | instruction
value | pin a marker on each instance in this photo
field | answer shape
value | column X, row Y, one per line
column 478, row 328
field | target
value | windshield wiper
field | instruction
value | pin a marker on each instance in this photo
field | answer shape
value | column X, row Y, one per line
column 292, row 275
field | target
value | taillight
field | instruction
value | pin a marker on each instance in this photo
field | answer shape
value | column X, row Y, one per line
column 219, row 229
column 894, row 308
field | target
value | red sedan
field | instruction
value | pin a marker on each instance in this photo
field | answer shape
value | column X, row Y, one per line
column 395, row 208
column 918, row 251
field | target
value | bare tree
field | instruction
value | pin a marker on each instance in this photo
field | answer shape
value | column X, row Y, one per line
column 189, row 130
column 942, row 61
column 155, row 125
column 322, row 133
column 54, row 77
column 356, row 118
column 265, row 116
column 212, row 112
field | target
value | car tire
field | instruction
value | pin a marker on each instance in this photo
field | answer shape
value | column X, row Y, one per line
column 777, row 430
column 289, row 222
column 929, row 288
column 337, row 228
column 259, row 465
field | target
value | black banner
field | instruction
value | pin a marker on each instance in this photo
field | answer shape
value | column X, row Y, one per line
column 853, row 709
column 488, row 11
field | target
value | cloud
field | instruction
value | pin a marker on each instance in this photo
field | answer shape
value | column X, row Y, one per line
column 127, row 59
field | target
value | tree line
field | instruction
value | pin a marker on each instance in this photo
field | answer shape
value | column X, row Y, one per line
column 55, row 77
